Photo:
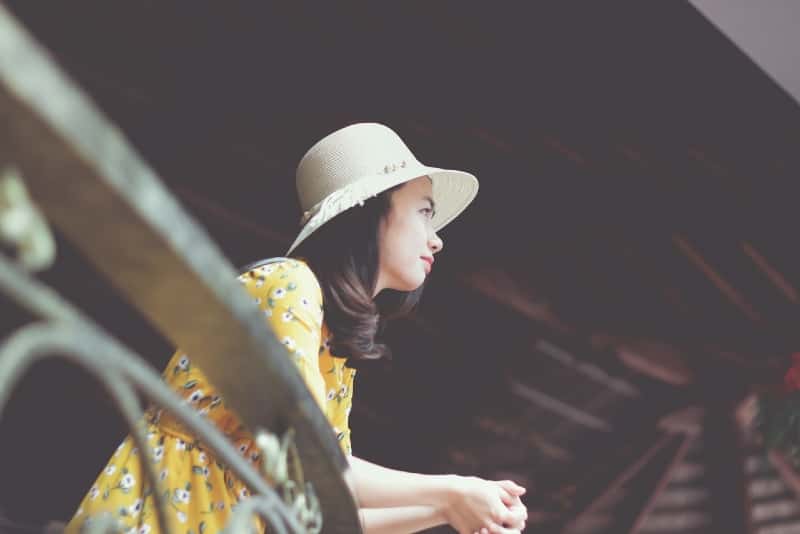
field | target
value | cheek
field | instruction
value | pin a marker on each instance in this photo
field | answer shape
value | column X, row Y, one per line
column 399, row 245
column 410, row 238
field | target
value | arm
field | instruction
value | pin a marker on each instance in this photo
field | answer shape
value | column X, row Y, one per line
column 466, row 503
column 399, row 520
column 378, row 487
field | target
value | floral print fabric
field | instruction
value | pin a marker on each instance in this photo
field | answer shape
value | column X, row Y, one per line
column 202, row 492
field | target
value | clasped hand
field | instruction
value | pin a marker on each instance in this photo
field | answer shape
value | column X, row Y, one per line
column 485, row 506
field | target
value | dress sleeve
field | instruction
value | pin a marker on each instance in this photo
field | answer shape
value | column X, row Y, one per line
column 339, row 395
column 290, row 297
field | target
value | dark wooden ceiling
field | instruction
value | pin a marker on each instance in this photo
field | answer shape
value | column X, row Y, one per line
column 636, row 197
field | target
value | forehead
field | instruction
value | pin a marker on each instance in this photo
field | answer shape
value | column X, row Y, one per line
column 417, row 188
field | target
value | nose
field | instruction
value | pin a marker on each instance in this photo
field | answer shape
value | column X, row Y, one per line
column 435, row 243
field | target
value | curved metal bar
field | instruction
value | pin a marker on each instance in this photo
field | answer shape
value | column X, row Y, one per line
column 48, row 304
column 37, row 341
column 250, row 508
column 158, row 392
column 297, row 494
column 34, row 342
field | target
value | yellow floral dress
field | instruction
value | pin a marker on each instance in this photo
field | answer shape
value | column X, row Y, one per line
column 202, row 491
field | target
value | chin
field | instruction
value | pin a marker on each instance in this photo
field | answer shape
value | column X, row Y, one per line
column 410, row 284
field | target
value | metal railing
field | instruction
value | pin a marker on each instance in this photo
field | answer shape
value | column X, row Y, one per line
column 85, row 179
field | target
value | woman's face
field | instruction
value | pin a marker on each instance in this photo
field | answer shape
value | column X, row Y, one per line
column 407, row 241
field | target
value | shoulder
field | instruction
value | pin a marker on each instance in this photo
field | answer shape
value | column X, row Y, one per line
column 284, row 277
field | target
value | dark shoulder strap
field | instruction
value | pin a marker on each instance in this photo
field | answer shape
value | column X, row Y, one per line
column 260, row 263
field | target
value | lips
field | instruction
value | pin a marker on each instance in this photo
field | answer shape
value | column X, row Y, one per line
column 429, row 263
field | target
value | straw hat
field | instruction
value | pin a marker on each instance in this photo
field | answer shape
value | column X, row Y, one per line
column 358, row 162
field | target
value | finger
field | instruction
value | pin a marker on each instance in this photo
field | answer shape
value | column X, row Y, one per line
column 516, row 518
column 512, row 501
column 494, row 528
column 509, row 499
column 521, row 507
column 512, row 487
column 505, row 516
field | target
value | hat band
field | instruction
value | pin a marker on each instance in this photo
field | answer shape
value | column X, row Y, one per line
column 336, row 202
column 355, row 193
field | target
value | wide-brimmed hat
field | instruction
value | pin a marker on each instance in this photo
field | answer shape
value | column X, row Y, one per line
column 358, row 162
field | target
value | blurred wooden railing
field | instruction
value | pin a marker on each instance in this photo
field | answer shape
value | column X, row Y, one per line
column 85, row 179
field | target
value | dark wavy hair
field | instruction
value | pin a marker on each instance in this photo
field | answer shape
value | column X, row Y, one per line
column 343, row 254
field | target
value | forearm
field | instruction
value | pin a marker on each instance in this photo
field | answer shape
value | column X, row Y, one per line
column 380, row 487
column 400, row 520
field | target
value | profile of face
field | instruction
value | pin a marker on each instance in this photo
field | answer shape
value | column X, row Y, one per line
column 407, row 241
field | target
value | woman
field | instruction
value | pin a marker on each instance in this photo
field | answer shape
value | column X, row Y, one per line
column 368, row 241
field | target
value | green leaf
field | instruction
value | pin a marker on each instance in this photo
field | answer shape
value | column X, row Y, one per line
column 188, row 486
column 210, row 487
column 190, row 384
column 124, row 470
column 291, row 287
column 202, row 527
column 197, row 470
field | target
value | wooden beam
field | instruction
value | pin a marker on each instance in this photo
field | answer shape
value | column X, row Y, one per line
column 499, row 286
column 610, row 475
column 725, row 287
column 649, row 490
column 656, row 360
column 771, row 272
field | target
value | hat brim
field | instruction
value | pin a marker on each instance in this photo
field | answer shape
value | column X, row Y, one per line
column 453, row 191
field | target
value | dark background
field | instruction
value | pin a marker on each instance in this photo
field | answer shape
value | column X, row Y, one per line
column 636, row 197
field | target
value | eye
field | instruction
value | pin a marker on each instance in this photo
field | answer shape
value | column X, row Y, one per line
column 428, row 212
